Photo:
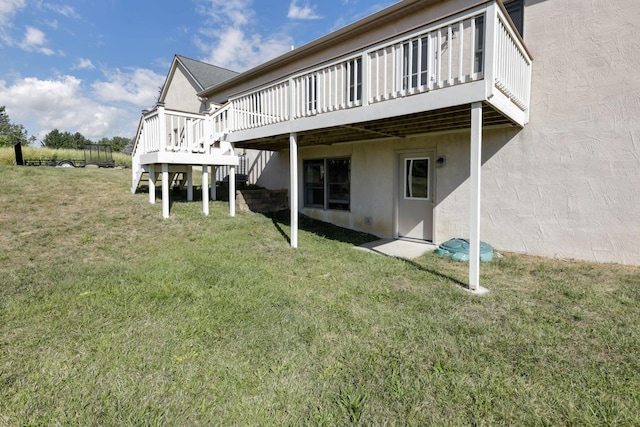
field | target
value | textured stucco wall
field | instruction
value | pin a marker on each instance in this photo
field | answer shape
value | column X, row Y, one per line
column 568, row 184
column 181, row 94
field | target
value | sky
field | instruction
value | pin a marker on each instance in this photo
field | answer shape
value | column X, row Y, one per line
column 91, row 66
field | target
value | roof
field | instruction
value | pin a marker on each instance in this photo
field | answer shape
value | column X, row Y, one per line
column 206, row 75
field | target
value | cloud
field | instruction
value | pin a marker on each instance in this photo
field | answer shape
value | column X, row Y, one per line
column 104, row 109
column 64, row 10
column 234, row 13
column 229, row 40
column 34, row 41
column 139, row 87
column 84, row 64
column 8, row 9
column 44, row 105
column 304, row 12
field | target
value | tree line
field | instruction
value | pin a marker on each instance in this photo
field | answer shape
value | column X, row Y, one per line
column 13, row 133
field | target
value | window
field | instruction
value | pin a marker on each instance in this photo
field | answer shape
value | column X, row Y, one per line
column 312, row 92
column 414, row 63
column 314, row 183
column 515, row 9
column 327, row 183
column 479, row 57
column 355, row 79
column 416, row 172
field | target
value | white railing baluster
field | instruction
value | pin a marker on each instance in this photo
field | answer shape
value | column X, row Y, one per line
column 460, row 51
column 449, row 55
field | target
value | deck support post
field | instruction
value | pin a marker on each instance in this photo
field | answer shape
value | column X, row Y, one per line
column 293, row 191
column 232, row 190
column 474, row 217
column 152, row 184
column 190, row 183
column 165, row 190
column 214, row 173
column 205, row 189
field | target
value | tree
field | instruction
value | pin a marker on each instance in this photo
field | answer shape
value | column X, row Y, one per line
column 118, row 143
column 57, row 139
column 11, row 133
column 54, row 139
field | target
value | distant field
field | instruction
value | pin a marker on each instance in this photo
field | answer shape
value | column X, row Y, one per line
column 112, row 316
column 7, row 155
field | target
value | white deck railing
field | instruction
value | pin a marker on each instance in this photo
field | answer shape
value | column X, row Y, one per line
column 434, row 57
column 170, row 130
column 512, row 64
column 447, row 53
column 478, row 44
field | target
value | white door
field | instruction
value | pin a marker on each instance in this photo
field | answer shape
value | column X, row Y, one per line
column 415, row 195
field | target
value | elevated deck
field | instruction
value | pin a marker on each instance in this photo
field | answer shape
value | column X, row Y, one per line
column 421, row 81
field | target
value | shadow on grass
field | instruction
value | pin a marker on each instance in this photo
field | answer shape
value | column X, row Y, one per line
column 433, row 272
column 319, row 228
column 355, row 238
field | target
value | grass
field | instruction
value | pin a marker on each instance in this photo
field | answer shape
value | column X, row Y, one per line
column 7, row 155
column 110, row 315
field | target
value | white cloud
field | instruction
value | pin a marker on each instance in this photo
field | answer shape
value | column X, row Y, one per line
column 84, row 64
column 44, row 105
column 64, row 10
column 301, row 12
column 8, row 9
column 230, row 41
column 140, row 87
column 233, row 13
column 105, row 109
column 34, row 40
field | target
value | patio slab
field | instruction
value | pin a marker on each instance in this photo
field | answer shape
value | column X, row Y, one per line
column 400, row 248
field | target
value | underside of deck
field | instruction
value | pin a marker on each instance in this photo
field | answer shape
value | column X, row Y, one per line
column 435, row 121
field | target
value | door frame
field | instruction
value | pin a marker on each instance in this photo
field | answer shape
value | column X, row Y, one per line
column 397, row 154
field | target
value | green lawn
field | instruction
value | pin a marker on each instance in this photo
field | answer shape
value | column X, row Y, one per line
column 110, row 315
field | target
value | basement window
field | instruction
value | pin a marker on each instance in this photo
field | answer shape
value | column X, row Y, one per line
column 327, row 183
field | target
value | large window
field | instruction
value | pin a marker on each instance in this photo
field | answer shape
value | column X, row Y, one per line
column 327, row 183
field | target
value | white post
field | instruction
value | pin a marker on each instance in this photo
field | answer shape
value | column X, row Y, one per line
column 293, row 187
column 232, row 190
column 162, row 124
column 205, row 189
column 490, row 26
column 165, row 190
column 190, row 183
column 474, row 218
column 152, row 184
column 214, row 172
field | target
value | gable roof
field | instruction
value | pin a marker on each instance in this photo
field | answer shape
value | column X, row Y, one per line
column 204, row 74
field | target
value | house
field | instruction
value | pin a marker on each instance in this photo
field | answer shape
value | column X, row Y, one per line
column 513, row 122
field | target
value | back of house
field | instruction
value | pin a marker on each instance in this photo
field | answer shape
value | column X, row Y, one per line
column 430, row 120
